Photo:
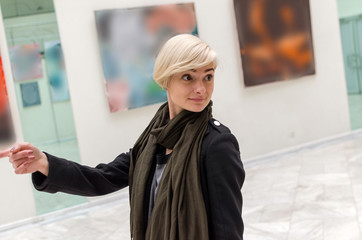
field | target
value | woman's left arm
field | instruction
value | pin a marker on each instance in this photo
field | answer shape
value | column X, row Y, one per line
column 224, row 178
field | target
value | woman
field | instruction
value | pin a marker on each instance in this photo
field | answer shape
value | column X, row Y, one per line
column 184, row 172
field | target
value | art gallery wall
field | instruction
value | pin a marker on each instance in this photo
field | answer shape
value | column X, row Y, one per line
column 347, row 8
column 264, row 118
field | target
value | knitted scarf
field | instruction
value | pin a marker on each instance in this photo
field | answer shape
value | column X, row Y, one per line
column 179, row 212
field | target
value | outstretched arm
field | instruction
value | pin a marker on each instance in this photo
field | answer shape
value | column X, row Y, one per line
column 52, row 174
column 71, row 177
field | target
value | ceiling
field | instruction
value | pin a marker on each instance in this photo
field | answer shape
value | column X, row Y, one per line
column 17, row 8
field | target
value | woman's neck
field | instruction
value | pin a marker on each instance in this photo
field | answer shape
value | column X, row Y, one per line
column 173, row 108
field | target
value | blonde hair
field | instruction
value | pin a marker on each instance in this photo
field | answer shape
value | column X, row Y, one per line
column 181, row 53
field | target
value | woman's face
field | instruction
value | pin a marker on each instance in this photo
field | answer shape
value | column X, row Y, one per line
column 191, row 90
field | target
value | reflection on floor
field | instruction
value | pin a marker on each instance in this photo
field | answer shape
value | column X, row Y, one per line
column 50, row 202
column 309, row 195
column 315, row 194
column 355, row 109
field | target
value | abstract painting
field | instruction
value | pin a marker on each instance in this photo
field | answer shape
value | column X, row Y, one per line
column 26, row 62
column 275, row 40
column 129, row 40
column 30, row 94
column 6, row 124
column 56, row 71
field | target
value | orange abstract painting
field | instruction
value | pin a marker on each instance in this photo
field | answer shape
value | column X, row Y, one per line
column 275, row 40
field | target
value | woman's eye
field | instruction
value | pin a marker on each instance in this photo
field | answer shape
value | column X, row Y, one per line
column 186, row 77
column 209, row 77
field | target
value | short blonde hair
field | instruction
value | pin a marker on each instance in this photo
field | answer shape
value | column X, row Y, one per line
column 181, row 53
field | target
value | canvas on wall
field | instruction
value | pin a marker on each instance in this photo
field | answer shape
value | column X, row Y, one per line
column 26, row 62
column 275, row 40
column 30, row 94
column 129, row 40
column 56, row 71
column 6, row 125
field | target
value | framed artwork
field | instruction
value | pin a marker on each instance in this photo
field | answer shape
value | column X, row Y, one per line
column 26, row 62
column 275, row 40
column 129, row 40
column 30, row 94
column 6, row 125
column 56, row 71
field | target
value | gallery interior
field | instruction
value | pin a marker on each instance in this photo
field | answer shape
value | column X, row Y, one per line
column 76, row 81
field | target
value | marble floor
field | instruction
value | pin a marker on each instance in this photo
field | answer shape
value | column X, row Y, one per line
column 311, row 194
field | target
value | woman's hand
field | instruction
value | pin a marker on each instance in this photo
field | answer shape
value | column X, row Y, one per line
column 26, row 158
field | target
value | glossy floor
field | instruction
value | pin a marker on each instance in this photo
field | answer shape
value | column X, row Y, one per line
column 311, row 194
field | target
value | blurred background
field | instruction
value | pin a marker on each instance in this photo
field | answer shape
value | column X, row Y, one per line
column 76, row 79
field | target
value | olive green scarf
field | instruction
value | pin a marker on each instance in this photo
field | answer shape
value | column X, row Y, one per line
column 179, row 212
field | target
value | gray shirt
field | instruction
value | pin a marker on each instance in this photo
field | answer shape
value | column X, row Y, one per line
column 161, row 162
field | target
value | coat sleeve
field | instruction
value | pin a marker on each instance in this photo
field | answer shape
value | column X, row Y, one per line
column 71, row 177
column 225, row 176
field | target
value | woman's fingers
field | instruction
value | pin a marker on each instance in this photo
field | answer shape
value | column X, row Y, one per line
column 16, row 148
column 19, row 162
column 5, row 153
column 22, row 169
column 26, row 158
column 21, row 146
column 20, row 155
column 26, row 165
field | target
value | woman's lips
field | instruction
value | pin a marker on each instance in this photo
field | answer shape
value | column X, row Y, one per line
column 197, row 99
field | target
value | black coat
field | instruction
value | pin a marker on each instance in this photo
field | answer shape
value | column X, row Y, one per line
column 222, row 176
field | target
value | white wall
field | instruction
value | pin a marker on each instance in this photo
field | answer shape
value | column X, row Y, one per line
column 264, row 118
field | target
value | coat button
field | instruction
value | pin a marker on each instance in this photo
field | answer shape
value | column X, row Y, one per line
column 217, row 123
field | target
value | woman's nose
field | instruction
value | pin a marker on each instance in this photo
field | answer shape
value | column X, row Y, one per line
column 199, row 87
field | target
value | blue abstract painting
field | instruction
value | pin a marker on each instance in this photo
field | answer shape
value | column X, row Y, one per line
column 30, row 94
column 56, row 71
column 129, row 40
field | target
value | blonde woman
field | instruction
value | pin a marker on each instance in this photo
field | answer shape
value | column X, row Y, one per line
column 184, row 172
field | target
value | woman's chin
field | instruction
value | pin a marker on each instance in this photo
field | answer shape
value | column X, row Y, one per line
column 196, row 108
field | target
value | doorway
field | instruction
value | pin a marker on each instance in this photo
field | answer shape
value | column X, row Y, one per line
column 351, row 35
